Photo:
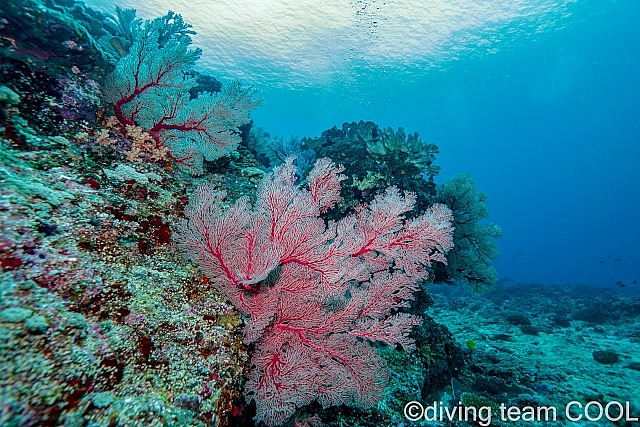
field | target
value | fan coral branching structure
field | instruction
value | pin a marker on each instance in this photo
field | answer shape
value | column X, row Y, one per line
column 315, row 294
column 470, row 261
column 150, row 88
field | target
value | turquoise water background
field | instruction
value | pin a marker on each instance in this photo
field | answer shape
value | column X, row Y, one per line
column 538, row 100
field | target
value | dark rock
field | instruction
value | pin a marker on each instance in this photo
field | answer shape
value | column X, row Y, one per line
column 445, row 358
column 529, row 330
column 606, row 357
column 633, row 365
column 517, row 319
column 562, row 321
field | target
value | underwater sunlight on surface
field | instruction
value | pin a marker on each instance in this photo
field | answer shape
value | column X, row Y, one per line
column 536, row 99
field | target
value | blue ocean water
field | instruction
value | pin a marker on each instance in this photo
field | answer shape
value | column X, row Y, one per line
column 539, row 101
column 128, row 296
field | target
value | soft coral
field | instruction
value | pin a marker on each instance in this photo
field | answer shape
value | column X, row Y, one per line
column 315, row 294
column 150, row 88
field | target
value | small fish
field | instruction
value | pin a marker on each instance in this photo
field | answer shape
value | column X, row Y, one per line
column 621, row 285
column 601, row 262
column 617, row 259
column 519, row 253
